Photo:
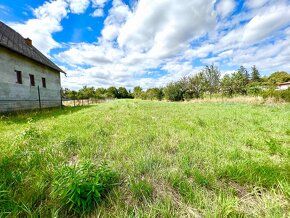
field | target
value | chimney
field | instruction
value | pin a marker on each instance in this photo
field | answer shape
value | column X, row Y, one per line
column 28, row 41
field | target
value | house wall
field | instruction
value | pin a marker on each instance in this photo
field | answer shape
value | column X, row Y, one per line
column 284, row 87
column 23, row 96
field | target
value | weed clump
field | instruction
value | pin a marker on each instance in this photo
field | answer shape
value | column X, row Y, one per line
column 70, row 144
column 80, row 188
column 142, row 190
column 30, row 133
column 274, row 146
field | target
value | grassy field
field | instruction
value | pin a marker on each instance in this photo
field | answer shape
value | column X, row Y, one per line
column 170, row 159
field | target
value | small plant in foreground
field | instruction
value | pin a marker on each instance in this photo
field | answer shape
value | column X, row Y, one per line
column 274, row 146
column 30, row 133
column 142, row 190
column 81, row 187
column 71, row 143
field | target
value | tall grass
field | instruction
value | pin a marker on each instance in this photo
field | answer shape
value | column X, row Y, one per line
column 201, row 159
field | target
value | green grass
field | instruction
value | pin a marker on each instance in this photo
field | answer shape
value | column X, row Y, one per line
column 162, row 160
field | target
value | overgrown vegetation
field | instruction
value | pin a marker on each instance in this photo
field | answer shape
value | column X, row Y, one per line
column 162, row 159
column 207, row 82
column 79, row 188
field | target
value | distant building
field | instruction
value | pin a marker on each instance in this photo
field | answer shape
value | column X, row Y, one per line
column 26, row 75
column 283, row 86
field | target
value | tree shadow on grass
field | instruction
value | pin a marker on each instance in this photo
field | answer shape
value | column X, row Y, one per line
column 35, row 115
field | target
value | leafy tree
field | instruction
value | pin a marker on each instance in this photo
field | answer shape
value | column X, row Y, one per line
column 100, row 93
column 112, row 92
column 154, row 94
column 254, row 88
column 123, row 93
column 255, row 74
column 67, row 93
column 86, row 92
column 244, row 71
column 173, row 91
column 212, row 76
column 227, row 85
column 279, row 77
column 137, row 92
column 195, row 86
column 239, row 82
column 130, row 94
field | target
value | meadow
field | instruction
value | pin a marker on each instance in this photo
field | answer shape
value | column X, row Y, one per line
column 147, row 159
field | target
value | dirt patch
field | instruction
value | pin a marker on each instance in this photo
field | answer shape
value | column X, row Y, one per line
column 73, row 160
column 163, row 190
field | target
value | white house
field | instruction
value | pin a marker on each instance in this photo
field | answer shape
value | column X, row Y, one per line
column 283, row 86
column 28, row 79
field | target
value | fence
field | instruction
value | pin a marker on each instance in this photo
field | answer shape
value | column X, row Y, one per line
column 79, row 102
column 26, row 98
column 15, row 98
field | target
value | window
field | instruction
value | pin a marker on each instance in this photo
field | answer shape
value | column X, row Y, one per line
column 18, row 77
column 32, row 81
column 43, row 82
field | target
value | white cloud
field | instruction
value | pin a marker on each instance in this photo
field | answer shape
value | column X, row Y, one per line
column 256, row 3
column 78, row 6
column 99, row 3
column 47, row 21
column 98, row 13
column 225, row 7
column 265, row 24
column 4, row 9
column 155, row 36
column 107, row 60
column 90, row 54
column 155, row 26
column 118, row 15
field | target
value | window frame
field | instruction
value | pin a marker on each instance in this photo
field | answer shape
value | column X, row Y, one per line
column 43, row 81
column 32, row 80
column 18, row 76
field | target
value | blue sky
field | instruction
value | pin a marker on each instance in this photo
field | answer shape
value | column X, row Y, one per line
column 149, row 43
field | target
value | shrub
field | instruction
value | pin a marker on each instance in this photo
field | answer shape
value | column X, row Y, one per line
column 285, row 95
column 277, row 94
column 254, row 89
column 173, row 92
column 81, row 187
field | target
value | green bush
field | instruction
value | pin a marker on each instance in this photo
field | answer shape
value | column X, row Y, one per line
column 277, row 94
column 173, row 92
column 285, row 95
column 254, row 89
column 81, row 187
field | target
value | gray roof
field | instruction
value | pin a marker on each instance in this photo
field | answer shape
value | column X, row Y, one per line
column 12, row 40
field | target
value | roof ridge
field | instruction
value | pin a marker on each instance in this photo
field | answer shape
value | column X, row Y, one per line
column 16, row 42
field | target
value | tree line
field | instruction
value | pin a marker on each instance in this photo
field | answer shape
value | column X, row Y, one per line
column 207, row 82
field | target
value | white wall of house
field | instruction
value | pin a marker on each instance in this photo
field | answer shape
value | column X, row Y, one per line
column 283, row 87
column 14, row 96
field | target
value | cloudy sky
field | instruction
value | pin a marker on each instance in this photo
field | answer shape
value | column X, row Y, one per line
column 152, row 42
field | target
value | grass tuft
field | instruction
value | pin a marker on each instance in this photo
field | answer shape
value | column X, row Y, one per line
column 142, row 190
column 80, row 188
